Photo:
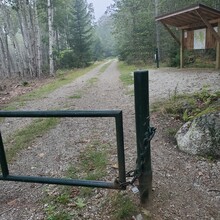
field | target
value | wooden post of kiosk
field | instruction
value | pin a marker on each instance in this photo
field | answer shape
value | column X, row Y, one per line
column 181, row 48
column 217, row 65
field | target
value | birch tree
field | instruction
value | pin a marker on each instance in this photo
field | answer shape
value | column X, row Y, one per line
column 38, row 43
column 6, row 58
column 50, row 27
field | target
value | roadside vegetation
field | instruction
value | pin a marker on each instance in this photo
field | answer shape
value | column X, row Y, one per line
column 102, row 70
column 23, row 138
column 126, row 73
column 66, row 202
column 186, row 107
column 69, row 202
column 178, row 108
column 63, row 77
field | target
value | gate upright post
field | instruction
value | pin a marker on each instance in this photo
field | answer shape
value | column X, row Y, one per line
column 141, row 88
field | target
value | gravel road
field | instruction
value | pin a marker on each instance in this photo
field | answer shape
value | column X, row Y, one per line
column 185, row 187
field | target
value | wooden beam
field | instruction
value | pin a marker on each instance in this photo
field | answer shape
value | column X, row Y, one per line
column 217, row 64
column 209, row 26
column 181, row 48
column 199, row 25
column 161, row 18
column 172, row 34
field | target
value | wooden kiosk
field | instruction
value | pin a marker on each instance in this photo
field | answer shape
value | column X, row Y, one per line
column 199, row 27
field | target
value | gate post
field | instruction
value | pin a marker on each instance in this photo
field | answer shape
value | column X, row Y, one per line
column 141, row 89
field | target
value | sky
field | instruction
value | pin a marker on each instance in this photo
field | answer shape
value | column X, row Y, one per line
column 100, row 6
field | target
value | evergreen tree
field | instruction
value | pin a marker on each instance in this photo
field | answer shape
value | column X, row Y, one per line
column 80, row 32
column 104, row 31
column 134, row 30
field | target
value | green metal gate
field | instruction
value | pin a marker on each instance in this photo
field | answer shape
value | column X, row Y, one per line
column 60, row 181
column 144, row 134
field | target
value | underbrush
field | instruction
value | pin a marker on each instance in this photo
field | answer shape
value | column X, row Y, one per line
column 63, row 77
column 186, row 107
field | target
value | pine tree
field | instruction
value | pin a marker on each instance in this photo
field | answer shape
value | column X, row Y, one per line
column 80, row 32
column 133, row 30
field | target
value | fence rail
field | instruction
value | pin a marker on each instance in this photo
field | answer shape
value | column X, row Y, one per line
column 117, row 114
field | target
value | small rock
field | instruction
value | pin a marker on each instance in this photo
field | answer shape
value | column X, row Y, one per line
column 200, row 174
column 41, row 155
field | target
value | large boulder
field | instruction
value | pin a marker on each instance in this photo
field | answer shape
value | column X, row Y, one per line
column 201, row 136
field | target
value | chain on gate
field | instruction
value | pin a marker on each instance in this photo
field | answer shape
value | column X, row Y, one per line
column 139, row 166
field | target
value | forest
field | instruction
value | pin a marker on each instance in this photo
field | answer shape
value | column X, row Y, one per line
column 38, row 37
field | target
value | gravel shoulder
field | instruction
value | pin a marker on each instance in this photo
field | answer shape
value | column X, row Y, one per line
column 185, row 187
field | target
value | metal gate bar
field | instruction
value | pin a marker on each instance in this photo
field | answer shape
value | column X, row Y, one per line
column 117, row 114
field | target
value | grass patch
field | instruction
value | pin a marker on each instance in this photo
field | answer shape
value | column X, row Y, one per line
column 63, row 199
column 14, row 105
column 126, row 73
column 76, row 96
column 189, row 106
column 53, row 214
column 24, row 137
column 104, row 67
column 72, row 172
column 92, row 81
column 127, row 76
column 125, row 207
column 92, row 166
column 63, row 77
column 93, row 162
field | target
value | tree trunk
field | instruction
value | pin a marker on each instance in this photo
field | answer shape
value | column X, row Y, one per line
column 7, row 60
column 4, row 41
column 18, row 63
column 38, row 43
column 4, row 71
column 50, row 22
column 22, row 16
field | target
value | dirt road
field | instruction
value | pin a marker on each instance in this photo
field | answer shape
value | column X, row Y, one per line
column 185, row 187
